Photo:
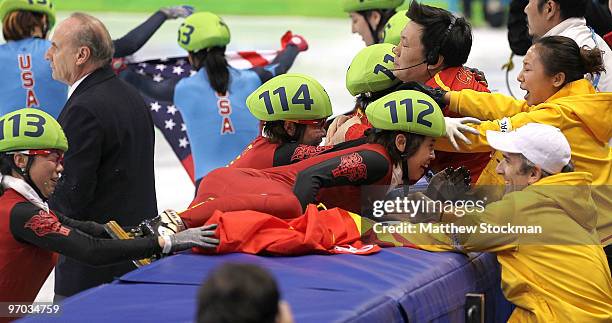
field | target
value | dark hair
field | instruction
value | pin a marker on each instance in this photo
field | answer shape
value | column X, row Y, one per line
column 20, row 24
column 276, row 133
column 6, row 164
column 93, row 34
column 6, row 167
column 386, row 138
column 454, row 43
column 385, row 15
column 214, row 62
column 569, row 8
column 560, row 54
column 238, row 293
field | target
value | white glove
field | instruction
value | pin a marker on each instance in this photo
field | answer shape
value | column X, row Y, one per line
column 455, row 127
column 177, row 11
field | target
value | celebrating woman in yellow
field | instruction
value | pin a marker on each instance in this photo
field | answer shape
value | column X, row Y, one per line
column 557, row 95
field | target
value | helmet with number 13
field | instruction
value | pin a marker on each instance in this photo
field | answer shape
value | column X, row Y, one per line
column 32, row 146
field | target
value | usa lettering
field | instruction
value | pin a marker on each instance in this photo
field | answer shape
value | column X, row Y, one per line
column 225, row 111
column 27, row 80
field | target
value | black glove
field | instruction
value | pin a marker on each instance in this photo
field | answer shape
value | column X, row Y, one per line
column 436, row 94
column 449, row 184
column 479, row 75
column 167, row 223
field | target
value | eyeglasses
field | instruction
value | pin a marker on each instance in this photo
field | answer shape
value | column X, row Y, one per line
column 319, row 123
column 54, row 155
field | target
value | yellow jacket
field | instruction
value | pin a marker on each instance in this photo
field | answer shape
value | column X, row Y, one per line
column 559, row 275
column 583, row 115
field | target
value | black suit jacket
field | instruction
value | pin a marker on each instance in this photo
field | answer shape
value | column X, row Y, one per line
column 108, row 168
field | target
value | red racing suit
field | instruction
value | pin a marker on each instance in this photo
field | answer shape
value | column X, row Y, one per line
column 23, row 267
column 285, row 191
column 262, row 154
column 29, row 236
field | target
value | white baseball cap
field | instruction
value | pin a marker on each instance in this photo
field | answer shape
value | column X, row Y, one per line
column 541, row 144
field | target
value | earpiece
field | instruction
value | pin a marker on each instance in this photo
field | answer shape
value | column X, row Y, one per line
column 432, row 56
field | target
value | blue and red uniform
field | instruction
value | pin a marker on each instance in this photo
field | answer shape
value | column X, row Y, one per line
column 219, row 126
column 26, row 80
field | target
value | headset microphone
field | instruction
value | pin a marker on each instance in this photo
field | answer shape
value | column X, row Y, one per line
column 409, row 67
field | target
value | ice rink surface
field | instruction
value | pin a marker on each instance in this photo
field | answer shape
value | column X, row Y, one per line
column 331, row 49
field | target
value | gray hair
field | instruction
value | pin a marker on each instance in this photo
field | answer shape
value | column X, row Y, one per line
column 93, row 34
column 527, row 166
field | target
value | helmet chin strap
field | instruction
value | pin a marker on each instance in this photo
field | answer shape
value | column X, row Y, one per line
column 405, row 178
column 25, row 173
column 373, row 32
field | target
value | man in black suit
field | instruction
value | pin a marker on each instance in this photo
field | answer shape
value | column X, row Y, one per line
column 108, row 169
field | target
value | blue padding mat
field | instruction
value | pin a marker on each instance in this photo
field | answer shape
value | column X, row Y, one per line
column 395, row 285
column 177, row 303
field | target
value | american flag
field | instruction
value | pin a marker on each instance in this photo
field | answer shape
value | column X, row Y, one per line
column 165, row 114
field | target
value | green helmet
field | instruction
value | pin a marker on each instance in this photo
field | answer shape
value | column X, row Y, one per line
column 409, row 111
column 290, row 97
column 359, row 5
column 203, row 30
column 370, row 70
column 43, row 6
column 394, row 27
column 30, row 128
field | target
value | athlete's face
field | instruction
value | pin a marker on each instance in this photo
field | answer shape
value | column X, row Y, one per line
column 534, row 80
column 313, row 134
column 62, row 55
column 410, row 52
column 45, row 170
column 359, row 25
column 419, row 162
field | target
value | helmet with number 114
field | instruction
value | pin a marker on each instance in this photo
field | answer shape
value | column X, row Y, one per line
column 294, row 108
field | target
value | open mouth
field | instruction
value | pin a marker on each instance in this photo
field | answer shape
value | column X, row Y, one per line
column 527, row 92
